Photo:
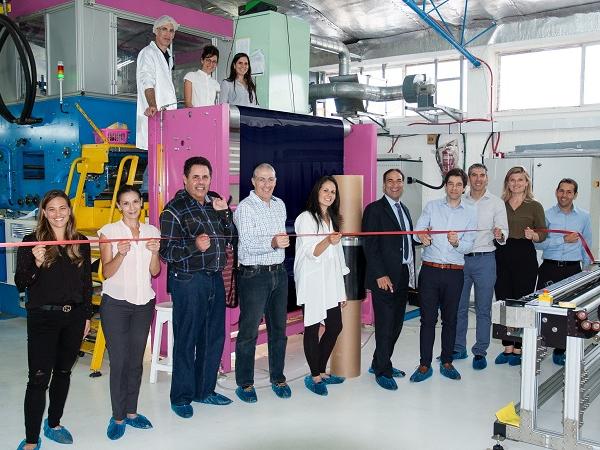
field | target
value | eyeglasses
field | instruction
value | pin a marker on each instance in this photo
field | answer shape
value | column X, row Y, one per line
column 211, row 60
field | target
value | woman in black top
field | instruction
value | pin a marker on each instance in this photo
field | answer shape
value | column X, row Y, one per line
column 58, row 284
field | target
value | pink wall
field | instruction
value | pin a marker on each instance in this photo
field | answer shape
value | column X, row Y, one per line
column 360, row 158
column 23, row 8
column 149, row 8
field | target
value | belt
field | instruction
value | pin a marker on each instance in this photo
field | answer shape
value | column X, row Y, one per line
column 263, row 268
column 443, row 266
column 63, row 308
column 562, row 263
column 479, row 253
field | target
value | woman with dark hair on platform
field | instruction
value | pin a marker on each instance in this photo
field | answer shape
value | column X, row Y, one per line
column 319, row 270
column 58, row 284
column 199, row 88
column 127, row 306
column 239, row 88
column 516, row 262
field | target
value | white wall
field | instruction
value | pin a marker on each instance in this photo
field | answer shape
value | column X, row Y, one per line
column 518, row 127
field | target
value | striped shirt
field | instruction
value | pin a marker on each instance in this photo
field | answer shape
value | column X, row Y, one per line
column 257, row 222
column 182, row 220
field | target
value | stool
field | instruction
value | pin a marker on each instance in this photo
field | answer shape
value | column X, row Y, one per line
column 164, row 313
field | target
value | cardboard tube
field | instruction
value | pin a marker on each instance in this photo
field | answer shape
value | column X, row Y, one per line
column 345, row 359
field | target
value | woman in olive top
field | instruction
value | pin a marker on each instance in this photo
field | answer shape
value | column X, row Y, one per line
column 58, row 283
column 516, row 262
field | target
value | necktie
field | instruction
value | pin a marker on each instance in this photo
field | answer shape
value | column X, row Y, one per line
column 405, row 241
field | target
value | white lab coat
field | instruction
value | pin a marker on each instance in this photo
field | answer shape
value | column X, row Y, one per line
column 152, row 72
column 319, row 279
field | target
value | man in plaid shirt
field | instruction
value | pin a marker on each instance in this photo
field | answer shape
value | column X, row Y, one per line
column 196, row 226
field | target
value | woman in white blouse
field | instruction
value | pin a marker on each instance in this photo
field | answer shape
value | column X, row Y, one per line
column 127, row 306
column 319, row 270
column 199, row 89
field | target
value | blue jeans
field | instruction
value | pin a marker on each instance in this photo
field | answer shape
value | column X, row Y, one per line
column 261, row 292
column 480, row 270
column 199, row 333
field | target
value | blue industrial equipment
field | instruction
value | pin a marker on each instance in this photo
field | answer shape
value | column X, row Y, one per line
column 37, row 158
column 2, row 253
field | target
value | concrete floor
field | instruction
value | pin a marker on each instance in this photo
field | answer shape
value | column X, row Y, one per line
column 436, row 414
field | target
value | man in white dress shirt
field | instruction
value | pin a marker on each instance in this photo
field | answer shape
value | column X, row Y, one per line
column 480, row 266
column 262, row 283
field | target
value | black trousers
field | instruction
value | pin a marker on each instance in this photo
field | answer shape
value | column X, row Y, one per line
column 53, row 342
column 126, row 327
column 318, row 351
column 440, row 289
column 389, row 310
column 516, row 272
column 550, row 273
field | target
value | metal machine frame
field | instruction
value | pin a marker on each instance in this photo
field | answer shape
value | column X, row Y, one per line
column 544, row 326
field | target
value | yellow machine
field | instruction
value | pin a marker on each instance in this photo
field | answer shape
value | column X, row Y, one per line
column 91, row 218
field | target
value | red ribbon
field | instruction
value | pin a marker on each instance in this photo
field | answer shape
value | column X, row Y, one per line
column 358, row 233
column 585, row 245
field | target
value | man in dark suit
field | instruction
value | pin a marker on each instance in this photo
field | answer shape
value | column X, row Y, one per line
column 390, row 270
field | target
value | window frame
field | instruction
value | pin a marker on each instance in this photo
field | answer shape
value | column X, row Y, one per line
column 582, row 104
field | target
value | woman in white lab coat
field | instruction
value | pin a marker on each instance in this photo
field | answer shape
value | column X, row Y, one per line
column 319, row 270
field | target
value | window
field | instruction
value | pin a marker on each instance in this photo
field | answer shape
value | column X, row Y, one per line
column 449, row 78
column 133, row 36
column 591, row 87
column 541, row 79
column 34, row 30
column 552, row 78
column 375, row 78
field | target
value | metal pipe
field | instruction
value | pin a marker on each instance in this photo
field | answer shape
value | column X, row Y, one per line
column 334, row 46
column 569, row 287
column 356, row 91
column 589, row 297
column 448, row 37
column 235, row 120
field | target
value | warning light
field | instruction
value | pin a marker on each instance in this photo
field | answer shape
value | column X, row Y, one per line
column 60, row 70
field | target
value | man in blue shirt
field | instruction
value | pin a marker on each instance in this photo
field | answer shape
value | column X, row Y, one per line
column 441, row 278
column 564, row 253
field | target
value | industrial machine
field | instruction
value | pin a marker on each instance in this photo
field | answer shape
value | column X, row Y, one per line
column 301, row 148
column 554, row 401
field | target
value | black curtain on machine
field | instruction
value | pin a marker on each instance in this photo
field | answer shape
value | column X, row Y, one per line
column 301, row 148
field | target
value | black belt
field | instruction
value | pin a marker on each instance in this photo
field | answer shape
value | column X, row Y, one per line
column 478, row 253
column 63, row 308
column 562, row 263
column 263, row 268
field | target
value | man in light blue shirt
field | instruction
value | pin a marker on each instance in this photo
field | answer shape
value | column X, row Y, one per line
column 441, row 278
column 564, row 253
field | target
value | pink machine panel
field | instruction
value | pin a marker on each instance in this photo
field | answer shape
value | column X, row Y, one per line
column 180, row 134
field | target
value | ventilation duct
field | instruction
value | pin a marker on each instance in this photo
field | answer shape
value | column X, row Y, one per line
column 349, row 93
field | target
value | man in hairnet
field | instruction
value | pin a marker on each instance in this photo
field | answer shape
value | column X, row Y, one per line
column 155, row 88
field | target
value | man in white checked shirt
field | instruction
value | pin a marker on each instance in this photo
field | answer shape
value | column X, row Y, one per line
column 262, row 282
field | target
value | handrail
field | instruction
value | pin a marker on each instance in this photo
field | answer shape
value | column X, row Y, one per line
column 130, row 179
column 80, row 185
column 71, row 171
